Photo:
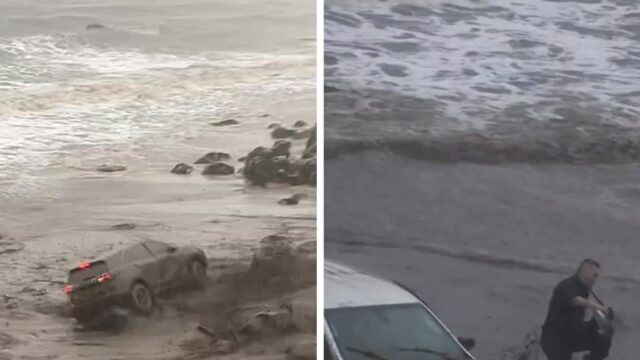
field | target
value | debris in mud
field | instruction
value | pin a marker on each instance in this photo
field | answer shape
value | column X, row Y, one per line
column 124, row 226
column 265, row 115
column 273, row 126
column 288, row 201
column 32, row 291
column 273, row 298
column 7, row 246
column 304, row 350
column 276, row 165
column 227, row 122
column 7, row 340
column 218, row 169
column 111, row 168
column 300, row 123
column 529, row 349
column 182, row 169
column 213, row 157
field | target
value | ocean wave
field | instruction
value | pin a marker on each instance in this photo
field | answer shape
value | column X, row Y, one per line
column 537, row 58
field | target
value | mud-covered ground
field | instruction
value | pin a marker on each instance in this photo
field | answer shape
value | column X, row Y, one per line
column 484, row 245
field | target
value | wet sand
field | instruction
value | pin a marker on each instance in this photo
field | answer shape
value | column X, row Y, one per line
column 485, row 244
column 76, row 214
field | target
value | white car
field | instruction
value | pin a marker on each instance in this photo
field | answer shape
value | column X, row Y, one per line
column 366, row 317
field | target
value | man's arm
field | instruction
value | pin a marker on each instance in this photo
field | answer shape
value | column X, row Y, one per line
column 580, row 301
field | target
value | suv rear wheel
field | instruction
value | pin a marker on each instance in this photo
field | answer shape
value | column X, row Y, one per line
column 198, row 273
column 141, row 298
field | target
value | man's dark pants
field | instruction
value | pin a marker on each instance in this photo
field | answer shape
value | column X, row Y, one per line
column 588, row 339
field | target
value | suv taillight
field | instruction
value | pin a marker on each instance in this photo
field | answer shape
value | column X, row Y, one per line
column 68, row 289
column 104, row 277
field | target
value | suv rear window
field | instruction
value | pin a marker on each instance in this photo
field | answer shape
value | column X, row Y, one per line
column 78, row 275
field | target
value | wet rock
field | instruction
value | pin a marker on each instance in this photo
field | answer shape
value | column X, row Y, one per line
column 302, row 134
column 259, row 167
column 111, row 168
column 124, row 226
column 94, row 26
column 227, row 122
column 273, row 126
column 242, row 159
column 218, row 169
column 299, row 196
column 300, row 123
column 275, row 165
column 281, row 148
column 182, row 169
column 213, row 157
column 282, row 133
column 308, row 171
column 310, row 148
column 288, row 201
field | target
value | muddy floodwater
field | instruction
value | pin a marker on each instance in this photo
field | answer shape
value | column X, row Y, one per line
column 478, row 150
column 136, row 87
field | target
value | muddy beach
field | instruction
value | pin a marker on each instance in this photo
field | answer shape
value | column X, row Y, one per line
column 485, row 244
column 83, row 212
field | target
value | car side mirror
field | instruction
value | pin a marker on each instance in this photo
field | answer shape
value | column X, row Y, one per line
column 467, row 343
column 172, row 249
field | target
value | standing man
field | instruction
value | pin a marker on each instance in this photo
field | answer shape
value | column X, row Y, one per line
column 570, row 325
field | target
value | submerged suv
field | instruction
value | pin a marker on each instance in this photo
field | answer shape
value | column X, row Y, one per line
column 132, row 277
column 369, row 318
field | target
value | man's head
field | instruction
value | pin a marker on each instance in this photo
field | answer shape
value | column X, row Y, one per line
column 588, row 272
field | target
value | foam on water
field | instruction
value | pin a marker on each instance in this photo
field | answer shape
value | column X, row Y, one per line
column 475, row 61
column 60, row 94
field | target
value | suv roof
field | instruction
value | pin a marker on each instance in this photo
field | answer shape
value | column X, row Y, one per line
column 116, row 256
column 348, row 287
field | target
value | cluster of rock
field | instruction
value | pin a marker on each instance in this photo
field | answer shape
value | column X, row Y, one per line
column 264, row 165
column 277, row 165
column 215, row 165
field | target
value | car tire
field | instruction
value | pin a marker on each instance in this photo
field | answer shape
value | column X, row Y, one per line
column 141, row 298
column 198, row 273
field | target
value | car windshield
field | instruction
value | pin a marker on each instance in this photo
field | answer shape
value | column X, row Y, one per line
column 391, row 332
